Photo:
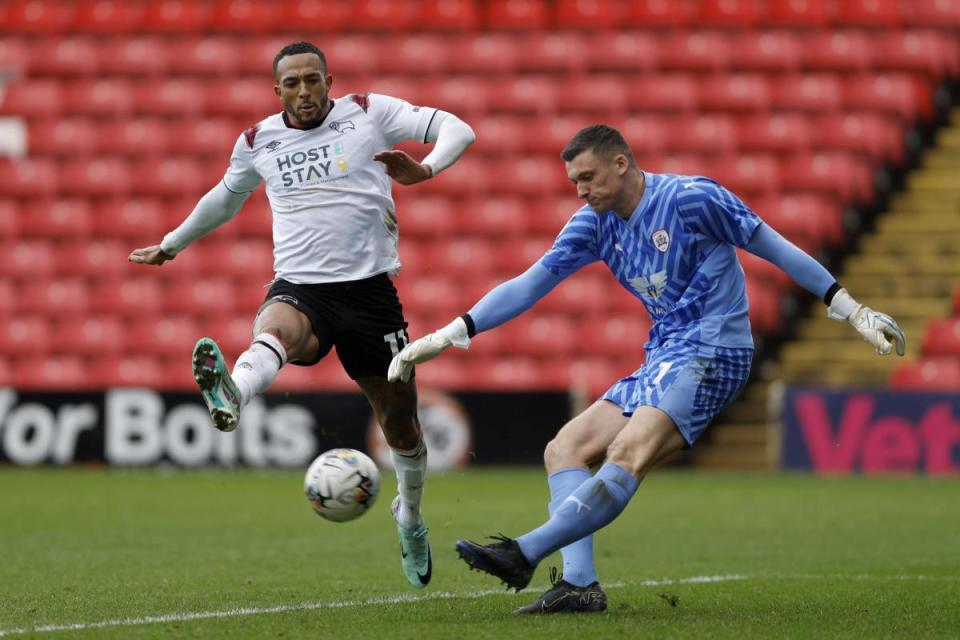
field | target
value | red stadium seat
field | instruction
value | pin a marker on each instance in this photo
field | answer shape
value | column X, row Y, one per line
column 62, row 373
column 14, row 56
column 427, row 216
column 500, row 134
column 36, row 16
column 169, row 176
column 94, row 177
column 245, row 16
column 472, row 174
column 208, row 55
column 597, row 95
column 107, row 16
column 161, row 336
column 748, row 175
column 616, row 335
column 919, row 52
column 504, row 373
column 352, row 54
column 464, row 256
column 595, row 375
column 96, row 257
column 942, row 337
column 868, row 133
column 250, row 294
column 496, row 216
column 383, row 15
column 139, row 219
column 889, row 93
column 137, row 138
column 447, row 15
column 331, row 15
column 251, row 98
column 515, row 14
column 811, row 92
column 779, row 133
column 27, row 258
column 541, row 334
column 205, row 136
column 767, row 51
column 868, row 13
column 587, row 14
column 138, row 56
column 255, row 219
column 534, row 175
column 763, row 272
column 102, row 97
column 177, row 96
column 791, row 13
column 88, row 335
column 529, row 94
column 128, row 294
column 200, row 296
column 27, row 177
column 176, row 16
column 834, row 173
column 57, row 219
column 938, row 14
column 121, row 370
column 552, row 52
column 695, row 51
column 436, row 294
column 622, row 51
column 63, row 137
column 550, row 135
column 648, row 14
column 764, row 307
column 706, row 134
column 685, row 163
column 727, row 13
column 519, row 253
column 806, row 219
column 417, row 54
column 582, row 293
column 843, row 51
column 233, row 334
column 486, row 53
column 9, row 218
column 929, row 374
column 670, row 93
column 70, row 57
column 736, row 92
column 34, row 99
column 25, row 335
column 249, row 258
column 56, row 298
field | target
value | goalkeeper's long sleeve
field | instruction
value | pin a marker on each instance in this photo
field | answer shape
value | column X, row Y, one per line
column 218, row 206
column 513, row 297
column 805, row 271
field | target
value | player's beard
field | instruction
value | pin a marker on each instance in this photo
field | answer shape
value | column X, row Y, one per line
column 319, row 112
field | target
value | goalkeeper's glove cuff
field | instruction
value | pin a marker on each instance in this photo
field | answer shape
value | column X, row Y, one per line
column 456, row 333
column 842, row 306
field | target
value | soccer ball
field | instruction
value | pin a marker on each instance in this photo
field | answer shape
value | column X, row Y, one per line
column 342, row 484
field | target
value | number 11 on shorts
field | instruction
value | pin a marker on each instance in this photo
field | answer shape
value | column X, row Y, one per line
column 397, row 340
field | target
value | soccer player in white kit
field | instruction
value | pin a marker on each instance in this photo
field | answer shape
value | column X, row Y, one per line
column 327, row 165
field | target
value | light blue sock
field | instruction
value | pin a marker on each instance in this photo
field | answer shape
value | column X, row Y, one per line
column 578, row 566
column 592, row 505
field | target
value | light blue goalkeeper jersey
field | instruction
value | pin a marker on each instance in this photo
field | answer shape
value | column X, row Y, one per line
column 676, row 253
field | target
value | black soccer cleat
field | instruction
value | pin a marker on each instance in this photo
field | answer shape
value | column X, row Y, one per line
column 502, row 559
column 564, row 597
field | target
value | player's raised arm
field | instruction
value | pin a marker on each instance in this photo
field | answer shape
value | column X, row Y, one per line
column 502, row 303
column 877, row 328
column 217, row 207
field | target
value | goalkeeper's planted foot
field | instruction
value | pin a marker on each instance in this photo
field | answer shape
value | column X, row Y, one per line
column 219, row 391
column 564, row 597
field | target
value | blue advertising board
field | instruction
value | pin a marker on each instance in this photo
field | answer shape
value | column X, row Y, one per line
column 867, row 431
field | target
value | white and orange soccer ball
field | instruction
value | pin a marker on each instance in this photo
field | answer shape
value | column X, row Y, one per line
column 341, row 484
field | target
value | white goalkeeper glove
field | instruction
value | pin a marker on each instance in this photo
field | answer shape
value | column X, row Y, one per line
column 877, row 328
column 427, row 348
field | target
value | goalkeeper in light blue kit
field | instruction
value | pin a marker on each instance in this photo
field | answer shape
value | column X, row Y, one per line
column 670, row 240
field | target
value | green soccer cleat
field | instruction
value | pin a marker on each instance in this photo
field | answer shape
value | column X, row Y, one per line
column 414, row 551
column 219, row 391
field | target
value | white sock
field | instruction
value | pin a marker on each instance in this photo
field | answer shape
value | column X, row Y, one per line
column 256, row 367
column 411, row 467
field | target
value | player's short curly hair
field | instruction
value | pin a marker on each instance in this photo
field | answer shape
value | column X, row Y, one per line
column 602, row 140
column 299, row 47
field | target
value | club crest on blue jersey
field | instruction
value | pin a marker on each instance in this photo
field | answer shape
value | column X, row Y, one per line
column 661, row 240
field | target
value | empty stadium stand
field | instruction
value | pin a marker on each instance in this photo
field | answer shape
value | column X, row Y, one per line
column 131, row 109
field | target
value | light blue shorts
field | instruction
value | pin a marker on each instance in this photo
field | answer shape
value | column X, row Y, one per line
column 690, row 382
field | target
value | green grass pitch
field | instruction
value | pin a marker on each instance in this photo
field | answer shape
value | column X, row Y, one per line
column 239, row 554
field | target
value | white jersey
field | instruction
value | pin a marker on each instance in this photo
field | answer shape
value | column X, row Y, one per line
column 334, row 217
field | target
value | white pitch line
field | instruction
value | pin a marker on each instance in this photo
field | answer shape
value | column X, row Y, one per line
column 338, row 604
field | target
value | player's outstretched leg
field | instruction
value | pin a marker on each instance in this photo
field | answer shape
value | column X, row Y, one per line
column 219, row 391
column 564, row 597
column 414, row 549
column 502, row 559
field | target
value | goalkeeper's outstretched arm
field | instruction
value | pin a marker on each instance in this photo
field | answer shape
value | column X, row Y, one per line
column 877, row 328
column 502, row 303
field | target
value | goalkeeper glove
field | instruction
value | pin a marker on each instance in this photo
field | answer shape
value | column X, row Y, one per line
column 877, row 328
column 427, row 348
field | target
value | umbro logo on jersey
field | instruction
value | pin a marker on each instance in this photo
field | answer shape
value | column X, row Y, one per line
column 273, row 146
column 343, row 125
column 661, row 240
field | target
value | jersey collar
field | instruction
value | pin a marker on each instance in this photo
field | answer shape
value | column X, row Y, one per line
column 644, row 199
column 290, row 125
